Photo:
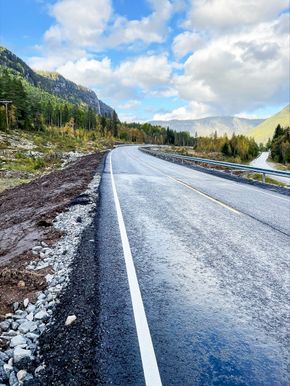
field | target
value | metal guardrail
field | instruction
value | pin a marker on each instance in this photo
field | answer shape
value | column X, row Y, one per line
column 229, row 165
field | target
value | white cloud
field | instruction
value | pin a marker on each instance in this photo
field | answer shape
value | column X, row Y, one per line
column 129, row 104
column 94, row 25
column 192, row 111
column 239, row 72
column 128, row 80
column 223, row 15
column 186, row 42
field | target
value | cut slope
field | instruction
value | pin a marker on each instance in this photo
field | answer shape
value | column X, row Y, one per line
column 266, row 129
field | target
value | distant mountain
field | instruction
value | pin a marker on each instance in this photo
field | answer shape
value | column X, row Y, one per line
column 266, row 129
column 207, row 126
column 54, row 83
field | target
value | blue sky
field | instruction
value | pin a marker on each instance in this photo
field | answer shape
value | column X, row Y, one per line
column 160, row 59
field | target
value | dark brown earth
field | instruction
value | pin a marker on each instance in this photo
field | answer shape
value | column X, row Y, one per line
column 26, row 215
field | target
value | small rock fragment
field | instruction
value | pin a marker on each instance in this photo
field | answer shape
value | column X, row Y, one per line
column 70, row 319
column 21, row 284
column 25, row 302
column 21, row 375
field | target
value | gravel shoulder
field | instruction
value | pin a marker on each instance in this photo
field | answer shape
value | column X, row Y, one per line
column 48, row 270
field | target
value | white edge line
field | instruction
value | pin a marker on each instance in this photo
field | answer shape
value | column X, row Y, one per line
column 149, row 362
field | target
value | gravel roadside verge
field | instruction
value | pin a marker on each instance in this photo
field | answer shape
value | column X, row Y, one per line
column 50, row 338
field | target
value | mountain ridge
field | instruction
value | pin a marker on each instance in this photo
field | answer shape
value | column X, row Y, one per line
column 207, row 126
column 56, row 85
column 266, row 129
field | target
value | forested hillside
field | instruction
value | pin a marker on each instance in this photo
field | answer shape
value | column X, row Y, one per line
column 280, row 145
column 54, row 83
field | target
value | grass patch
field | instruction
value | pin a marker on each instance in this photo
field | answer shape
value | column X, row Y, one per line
column 269, row 180
column 7, row 183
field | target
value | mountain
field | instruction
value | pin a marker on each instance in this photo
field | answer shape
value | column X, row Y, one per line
column 207, row 126
column 266, row 129
column 54, row 83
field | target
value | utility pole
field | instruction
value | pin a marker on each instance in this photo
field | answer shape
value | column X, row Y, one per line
column 6, row 103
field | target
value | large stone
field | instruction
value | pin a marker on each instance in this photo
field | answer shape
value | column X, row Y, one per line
column 18, row 340
column 41, row 315
column 27, row 326
column 5, row 325
column 20, row 353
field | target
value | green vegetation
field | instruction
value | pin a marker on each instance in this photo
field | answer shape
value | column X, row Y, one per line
column 265, row 130
column 147, row 133
column 8, row 183
column 34, row 109
column 280, row 145
column 238, row 148
column 269, row 180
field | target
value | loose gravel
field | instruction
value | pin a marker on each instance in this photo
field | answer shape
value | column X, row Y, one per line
column 21, row 363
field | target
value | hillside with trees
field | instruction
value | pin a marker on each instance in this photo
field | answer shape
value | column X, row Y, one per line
column 280, row 145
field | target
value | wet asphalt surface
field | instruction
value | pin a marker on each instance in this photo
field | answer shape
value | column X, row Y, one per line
column 213, row 281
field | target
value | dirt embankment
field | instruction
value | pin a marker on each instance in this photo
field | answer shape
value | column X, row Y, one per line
column 26, row 215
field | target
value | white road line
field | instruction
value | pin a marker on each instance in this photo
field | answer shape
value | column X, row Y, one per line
column 149, row 362
column 189, row 186
column 244, row 187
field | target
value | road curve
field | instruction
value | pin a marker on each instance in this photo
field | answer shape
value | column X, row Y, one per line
column 210, row 257
column 261, row 162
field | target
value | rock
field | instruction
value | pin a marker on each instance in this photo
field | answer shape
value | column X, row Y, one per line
column 40, row 369
column 27, row 326
column 41, row 315
column 79, row 219
column 18, row 341
column 32, row 336
column 14, row 325
column 21, row 284
column 21, row 375
column 20, row 353
column 3, row 375
column 35, row 253
column 13, row 379
column 9, row 333
column 30, row 317
column 3, row 356
column 5, row 325
column 30, row 381
column 30, row 308
column 70, row 319
column 49, row 278
column 8, row 368
column 37, row 248
column 44, row 244
column 15, row 305
column 25, row 302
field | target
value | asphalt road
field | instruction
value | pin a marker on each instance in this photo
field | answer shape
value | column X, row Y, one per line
column 211, row 261
column 261, row 162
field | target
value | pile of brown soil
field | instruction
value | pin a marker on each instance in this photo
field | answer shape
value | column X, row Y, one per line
column 26, row 214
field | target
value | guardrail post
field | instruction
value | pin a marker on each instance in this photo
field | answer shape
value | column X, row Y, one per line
column 264, row 178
